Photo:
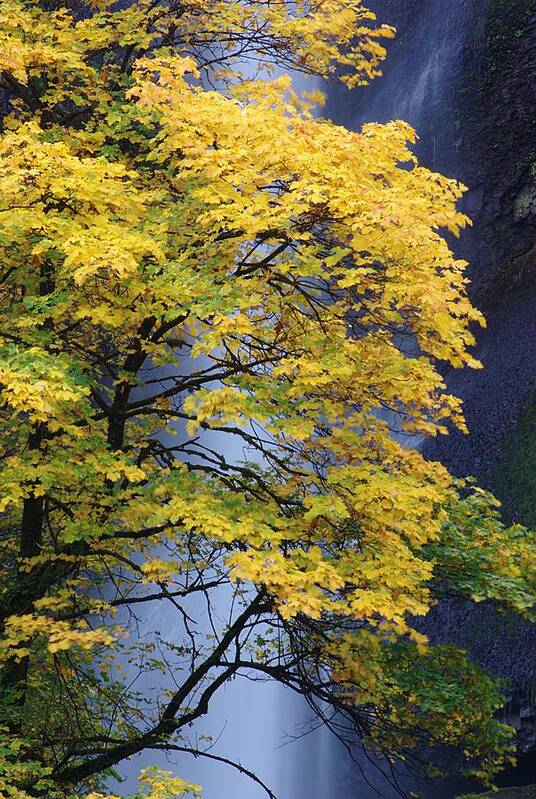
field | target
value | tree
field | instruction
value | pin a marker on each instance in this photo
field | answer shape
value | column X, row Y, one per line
column 184, row 266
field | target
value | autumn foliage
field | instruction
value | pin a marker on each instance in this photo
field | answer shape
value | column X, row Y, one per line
column 221, row 325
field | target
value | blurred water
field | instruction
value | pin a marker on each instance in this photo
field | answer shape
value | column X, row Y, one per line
column 423, row 65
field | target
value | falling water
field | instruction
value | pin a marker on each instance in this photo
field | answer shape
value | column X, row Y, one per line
column 263, row 725
column 421, row 75
column 421, row 80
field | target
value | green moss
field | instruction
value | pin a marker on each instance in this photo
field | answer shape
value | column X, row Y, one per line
column 515, row 477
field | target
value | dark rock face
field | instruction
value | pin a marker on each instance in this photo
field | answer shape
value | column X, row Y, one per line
column 495, row 114
column 497, row 111
column 495, row 395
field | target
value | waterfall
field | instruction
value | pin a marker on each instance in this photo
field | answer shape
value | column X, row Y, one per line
column 263, row 725
column 422, row 72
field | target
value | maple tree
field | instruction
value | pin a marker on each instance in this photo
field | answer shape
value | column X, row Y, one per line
column 215, row 309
